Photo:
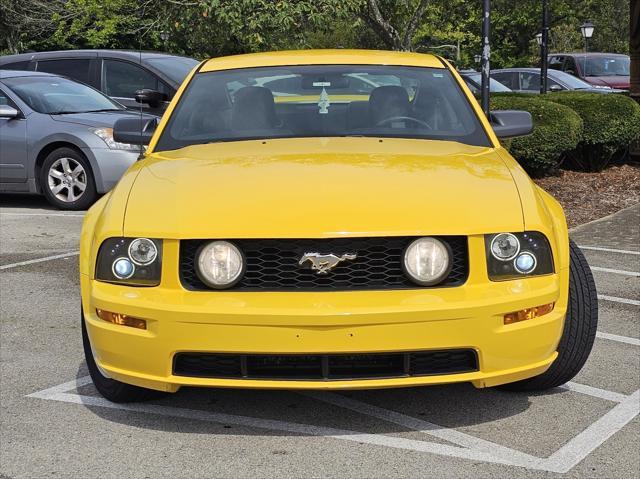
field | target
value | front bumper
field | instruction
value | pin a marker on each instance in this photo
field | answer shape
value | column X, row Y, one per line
column 470, row 316
column 109, row 165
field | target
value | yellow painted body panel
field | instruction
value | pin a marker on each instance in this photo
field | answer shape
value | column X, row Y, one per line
column 325, row 188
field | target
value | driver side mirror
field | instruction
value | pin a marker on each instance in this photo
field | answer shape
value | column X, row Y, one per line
column 8, row 112
column 134, row 131
column 511, row 123
column 153, row 98
column 554, row 88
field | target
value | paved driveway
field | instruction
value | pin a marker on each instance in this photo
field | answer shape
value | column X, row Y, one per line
column 54, row 424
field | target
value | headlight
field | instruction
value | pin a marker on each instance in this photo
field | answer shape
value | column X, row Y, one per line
column 427, row 261
column 107, row 136
column 514, row 255
column 131, row 261
column 219, row 264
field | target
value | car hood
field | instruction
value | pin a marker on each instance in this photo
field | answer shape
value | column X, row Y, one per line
column 612, row 81
column 321, row 187
column 101, row 119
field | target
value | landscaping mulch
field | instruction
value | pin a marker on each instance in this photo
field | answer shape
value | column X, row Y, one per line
column 588, row 196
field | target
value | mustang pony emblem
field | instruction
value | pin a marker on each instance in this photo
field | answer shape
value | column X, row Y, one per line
column 322, row 263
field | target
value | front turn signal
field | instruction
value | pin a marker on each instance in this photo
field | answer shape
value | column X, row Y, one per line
column 529, row 313
column 121, row 319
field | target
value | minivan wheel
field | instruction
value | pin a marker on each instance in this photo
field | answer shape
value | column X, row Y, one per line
column 111, row 389
column 67, row 181
column 579, row 331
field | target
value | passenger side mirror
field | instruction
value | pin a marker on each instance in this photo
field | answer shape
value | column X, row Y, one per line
column 135, row 131
column 511, row 123
column 153, row 98
column 555, row 88
column 8, row 112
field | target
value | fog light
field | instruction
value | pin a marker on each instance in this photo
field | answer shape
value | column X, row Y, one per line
column 528, row 313
column 121, row 319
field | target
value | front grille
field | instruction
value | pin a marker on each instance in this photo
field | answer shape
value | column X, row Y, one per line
column 325, row 367
column 272, row 264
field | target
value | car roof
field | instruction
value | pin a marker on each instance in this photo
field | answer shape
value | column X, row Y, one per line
column 23, row 73
column 589, row 54
column 323, row 57
column 129, row 54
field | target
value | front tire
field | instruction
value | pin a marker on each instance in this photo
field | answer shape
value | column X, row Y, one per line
column 67, row 181
column 579, row 331
column 111, row 389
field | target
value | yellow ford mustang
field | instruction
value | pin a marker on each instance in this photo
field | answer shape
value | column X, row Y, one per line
column 331, row 220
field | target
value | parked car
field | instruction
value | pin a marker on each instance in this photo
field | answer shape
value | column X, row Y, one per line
column 597, row 69
column 56, row 139
column 527, row 80
column 383, row 240
column 473, row 79
column 116, row 73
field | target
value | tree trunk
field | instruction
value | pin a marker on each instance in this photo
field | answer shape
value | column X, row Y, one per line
column 634, row 49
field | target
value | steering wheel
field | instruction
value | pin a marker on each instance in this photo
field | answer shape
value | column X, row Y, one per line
column 405, row 118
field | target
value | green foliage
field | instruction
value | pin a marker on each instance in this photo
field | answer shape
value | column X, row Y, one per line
column 611, row 123
column 557, row 129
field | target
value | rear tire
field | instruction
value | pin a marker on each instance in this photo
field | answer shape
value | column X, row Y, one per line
column 579, row 331
column 111, row 389
column 67, row 181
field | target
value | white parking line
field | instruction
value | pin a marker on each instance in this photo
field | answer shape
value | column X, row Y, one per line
column 620, row 339
column 609, row 250
column 40, row 260
column 473, row 449
column 42, row 214
column 615, row 271
column 615, row 299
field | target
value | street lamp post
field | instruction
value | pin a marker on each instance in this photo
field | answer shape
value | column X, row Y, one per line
column 544, row 47
column 477, row 58
column 164, row 36
column 486, row 54
column 587, row 32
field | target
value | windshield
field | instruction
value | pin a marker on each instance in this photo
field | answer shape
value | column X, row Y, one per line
column 57, row 95
column 569, row 80
column 602, row 66
column 322, row 100
column 176, row 68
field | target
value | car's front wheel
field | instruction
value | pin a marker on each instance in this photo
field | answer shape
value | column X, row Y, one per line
column 67, row 181
column 111, row 389
column 579, row 331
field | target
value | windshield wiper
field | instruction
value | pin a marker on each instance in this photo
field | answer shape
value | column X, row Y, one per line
column 62, row 112
column 101, row 110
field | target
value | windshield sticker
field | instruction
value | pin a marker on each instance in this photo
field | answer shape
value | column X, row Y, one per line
column 321, row 83
column 323, row 103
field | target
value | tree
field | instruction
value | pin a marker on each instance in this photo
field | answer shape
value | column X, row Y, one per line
column 395, row 22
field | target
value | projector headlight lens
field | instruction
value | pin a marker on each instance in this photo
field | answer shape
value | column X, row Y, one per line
column 220, row 264
column 525, row 263
column 123, row 268
column 427, row 261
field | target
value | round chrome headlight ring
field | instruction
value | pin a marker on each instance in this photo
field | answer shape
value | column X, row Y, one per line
column 505, row 246
column 123, row 268
column 219, row 264
column 142, row 251
column 427, row 261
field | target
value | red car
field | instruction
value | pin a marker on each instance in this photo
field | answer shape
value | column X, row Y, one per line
column 598, row 69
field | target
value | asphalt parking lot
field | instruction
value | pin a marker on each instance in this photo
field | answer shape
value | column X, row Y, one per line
column 54, row 424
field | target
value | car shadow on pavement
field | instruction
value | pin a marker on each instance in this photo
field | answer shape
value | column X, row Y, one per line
column 18, row 200
column 449, row 406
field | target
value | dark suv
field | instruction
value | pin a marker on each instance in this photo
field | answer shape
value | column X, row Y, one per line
column 597, row 69
column 117, row 73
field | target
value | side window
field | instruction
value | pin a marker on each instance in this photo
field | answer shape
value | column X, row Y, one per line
column 530, row 81
column 508, row 79
column 5, row 100
column 16, row 66
column 555, row 63
column 123, row 79
column 76, row 68
column 570, row 65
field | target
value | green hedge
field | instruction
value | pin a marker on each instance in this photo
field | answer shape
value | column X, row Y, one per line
column 557, row 130
column 611, row 123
